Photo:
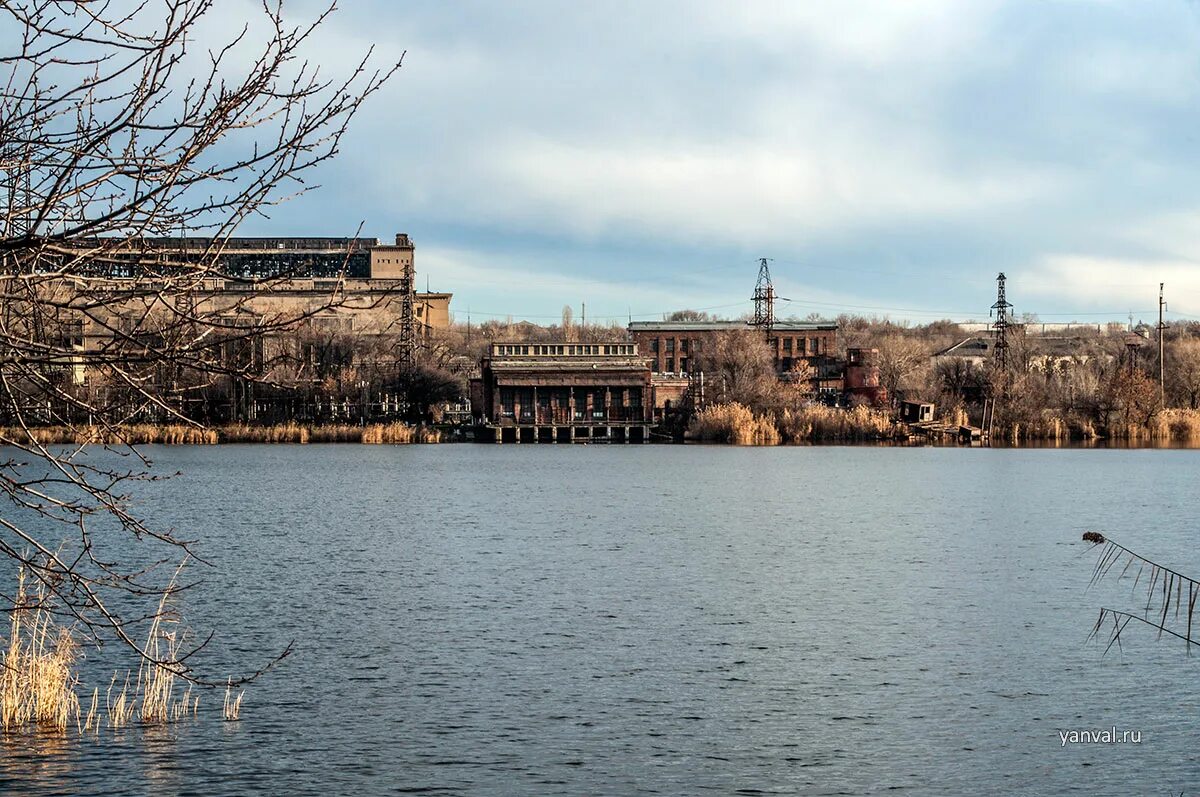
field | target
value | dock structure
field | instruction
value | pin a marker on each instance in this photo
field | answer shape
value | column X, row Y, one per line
column 562, row 393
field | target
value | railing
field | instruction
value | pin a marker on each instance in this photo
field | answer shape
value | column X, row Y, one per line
column 563, row 416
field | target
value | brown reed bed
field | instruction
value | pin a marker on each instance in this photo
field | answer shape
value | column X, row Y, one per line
column 737, row 424
column 179, row 434
column 38, row 680
column 814, row 423
column 733, row 423
column 37, row 685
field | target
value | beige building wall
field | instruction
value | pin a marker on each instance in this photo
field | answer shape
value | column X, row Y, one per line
column 433, row 310
column 393, row 261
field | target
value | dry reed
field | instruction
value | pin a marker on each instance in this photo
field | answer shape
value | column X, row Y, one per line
column 179, row 434
column 233, row 705
column 733, row 423
column 38, row 681
column 819, row 423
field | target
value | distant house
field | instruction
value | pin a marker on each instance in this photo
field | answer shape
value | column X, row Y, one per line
column 973, row 351
column 1040, row 353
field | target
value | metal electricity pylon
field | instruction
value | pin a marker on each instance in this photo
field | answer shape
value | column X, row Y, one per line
column 764, row 298
column 1001, row 308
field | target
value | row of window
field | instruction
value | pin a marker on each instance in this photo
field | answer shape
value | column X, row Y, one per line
column 798, row 345
column 668, row 345
column 815, row 346
column 563, row 349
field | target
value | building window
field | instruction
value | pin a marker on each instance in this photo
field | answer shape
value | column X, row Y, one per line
column 683, row 346
column 670, row 365
column 787, row 345
column 671, row 345
column 654, row 346
column 812, row 345
column 683, row 365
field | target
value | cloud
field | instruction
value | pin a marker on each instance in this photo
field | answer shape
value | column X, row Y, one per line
column 493, row 285
column 1113, row 284
column 936, row 141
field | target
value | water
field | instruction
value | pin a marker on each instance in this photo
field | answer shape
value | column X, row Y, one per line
column 661, row 620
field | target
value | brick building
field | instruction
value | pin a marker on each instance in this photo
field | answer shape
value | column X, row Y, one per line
column 562, row 392
column 673, row 346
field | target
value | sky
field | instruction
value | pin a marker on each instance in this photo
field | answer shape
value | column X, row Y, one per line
column 890, row 158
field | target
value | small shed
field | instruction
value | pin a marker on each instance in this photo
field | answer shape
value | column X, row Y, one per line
column 916, row 411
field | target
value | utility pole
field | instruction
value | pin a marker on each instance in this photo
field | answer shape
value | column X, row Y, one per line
column 583, row 314
column 1162, row 370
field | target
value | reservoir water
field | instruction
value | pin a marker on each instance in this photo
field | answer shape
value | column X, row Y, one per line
column 558, row 620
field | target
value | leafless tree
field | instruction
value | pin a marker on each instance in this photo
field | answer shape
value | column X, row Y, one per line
column 1183, row 367
column 739, row 367
column 123, row 128
column 901, row 359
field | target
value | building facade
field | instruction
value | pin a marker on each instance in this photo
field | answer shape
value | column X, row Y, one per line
column 675, row 347
column 799, row 349
column 562, row 392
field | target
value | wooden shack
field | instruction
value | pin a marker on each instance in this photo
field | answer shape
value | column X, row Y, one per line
column 916, row 411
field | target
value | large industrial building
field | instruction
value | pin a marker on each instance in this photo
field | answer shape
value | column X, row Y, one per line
column 562, row 392
column 288, row 310
column 354, row 283
column 800, row 349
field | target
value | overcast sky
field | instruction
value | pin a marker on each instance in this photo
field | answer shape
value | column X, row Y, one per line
column 891, row 157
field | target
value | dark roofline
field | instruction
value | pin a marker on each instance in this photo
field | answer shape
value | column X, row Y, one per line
column 950, row 349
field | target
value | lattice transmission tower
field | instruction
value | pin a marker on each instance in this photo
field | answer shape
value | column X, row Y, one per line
column 1001, row 308
column 764, row 298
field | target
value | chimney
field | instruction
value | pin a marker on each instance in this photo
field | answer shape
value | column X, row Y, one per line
column 402, row 239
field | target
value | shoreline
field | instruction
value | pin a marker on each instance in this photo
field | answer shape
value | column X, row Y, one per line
column 404, row 434
column 180, row 434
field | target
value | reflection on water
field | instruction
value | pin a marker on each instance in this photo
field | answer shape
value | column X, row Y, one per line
column 663, row 619
column 39, row 756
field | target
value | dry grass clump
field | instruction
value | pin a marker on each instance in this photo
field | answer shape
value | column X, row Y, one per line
column 156, row 675
column 180, row 434
column 819, row 423
column 335, row 433
column 45, row 435
column 399, row 433
column 277, row 433
column 134, row 434
column 1180, row 424
column 733, row 423
column 737, row 424
column 233, row 705
column 143, row 434
column 38, row 682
